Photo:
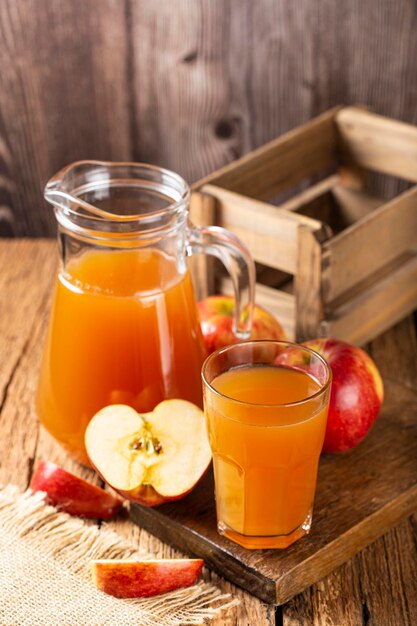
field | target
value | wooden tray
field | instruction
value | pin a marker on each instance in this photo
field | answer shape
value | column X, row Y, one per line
column 360, row 495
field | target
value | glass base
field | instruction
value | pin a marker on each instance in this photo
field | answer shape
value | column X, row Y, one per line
column 257, row 542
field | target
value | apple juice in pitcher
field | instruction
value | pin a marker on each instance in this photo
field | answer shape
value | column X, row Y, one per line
column 124, row 327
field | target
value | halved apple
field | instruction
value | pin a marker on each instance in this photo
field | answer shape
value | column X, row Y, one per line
column 72, row 494
column 141, row 579
column 150, row 458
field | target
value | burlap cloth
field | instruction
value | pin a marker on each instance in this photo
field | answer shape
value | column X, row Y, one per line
column 45, row 578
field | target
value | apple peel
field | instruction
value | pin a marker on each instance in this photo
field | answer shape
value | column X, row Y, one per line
column 217, row 313
column 72, row 494
column 356, row 396
column 153, row 457
column 142, row 579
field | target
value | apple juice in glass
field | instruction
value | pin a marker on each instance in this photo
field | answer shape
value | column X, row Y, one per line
column 124, row 327
column 266, row 406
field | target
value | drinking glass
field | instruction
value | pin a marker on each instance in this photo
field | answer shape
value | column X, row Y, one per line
column 266, row 405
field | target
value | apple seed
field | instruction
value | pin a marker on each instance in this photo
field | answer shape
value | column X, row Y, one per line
column 152, row 445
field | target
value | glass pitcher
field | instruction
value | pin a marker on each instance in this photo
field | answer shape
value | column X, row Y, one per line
column 124, row 327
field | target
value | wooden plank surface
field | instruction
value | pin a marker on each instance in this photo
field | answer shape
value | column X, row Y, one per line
column 188, row 85
column 378, row 584
column 61, row 98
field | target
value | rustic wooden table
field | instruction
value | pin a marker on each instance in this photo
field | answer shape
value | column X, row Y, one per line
column 377, row 587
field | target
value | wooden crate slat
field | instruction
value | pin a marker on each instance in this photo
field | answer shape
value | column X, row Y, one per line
column 355, row 203
column 309, row 195
column 270, row 233
column 281, row 163
column 360, row 250
column 378, row 143
column 309, row 310
column 202, row 213
column 377, row 308
column 281, row 304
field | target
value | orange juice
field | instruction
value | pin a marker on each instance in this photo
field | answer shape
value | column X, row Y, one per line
column 124, row 330
column 266, row 444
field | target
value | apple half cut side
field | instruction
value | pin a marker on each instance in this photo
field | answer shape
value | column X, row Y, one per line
column 142, row 579
column 72, row 494
column 153, row 457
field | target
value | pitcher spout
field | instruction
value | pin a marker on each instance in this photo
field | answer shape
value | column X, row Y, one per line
column 66, row 188
column 118, row 192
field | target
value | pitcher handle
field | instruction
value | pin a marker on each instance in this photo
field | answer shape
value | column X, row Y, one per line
column 238, row 261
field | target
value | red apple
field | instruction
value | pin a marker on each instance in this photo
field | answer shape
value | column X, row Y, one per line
column 356, row 396
column 217, row 315
column 72, row 494
column 150, row 458
column 141, row 579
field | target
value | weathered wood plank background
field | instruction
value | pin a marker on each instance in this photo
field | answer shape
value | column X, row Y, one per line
column 192, row 85
column 188, row 84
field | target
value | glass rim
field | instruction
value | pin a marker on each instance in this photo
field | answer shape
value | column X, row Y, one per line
column 322, row 390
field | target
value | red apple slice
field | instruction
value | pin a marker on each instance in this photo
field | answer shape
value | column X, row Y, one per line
column 141, row 579
column 150, row 458
column 72, row 494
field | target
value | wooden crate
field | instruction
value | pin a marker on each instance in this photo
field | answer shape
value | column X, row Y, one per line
column 333, row 259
